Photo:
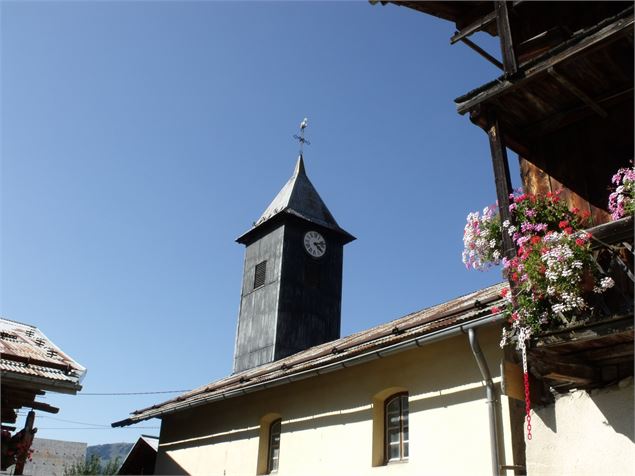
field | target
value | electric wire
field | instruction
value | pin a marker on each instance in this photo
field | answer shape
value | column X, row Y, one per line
column 92, row 428
column 130, row 393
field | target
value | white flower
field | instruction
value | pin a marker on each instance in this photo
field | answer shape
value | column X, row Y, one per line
column 607, row 282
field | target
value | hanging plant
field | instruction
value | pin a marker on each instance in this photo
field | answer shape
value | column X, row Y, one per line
column 553, row 267
column 622, row 200
column 481, row 239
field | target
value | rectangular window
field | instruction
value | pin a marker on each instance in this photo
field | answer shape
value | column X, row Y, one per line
column 260, row 274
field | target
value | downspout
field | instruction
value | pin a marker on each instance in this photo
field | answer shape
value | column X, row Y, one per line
column 491, row 399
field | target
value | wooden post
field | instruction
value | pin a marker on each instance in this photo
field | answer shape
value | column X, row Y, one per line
column 505, row 36
column 503, row 181
column 503, row 190
column 25, row 443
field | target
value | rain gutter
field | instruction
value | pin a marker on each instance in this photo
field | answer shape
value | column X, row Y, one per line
column 491, row 398
column 420, row 341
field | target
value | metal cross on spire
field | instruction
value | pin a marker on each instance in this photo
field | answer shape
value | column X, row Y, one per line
column 300, row 138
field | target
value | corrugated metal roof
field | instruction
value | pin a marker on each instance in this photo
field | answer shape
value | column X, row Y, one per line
column 461, row 311
column 25, row 350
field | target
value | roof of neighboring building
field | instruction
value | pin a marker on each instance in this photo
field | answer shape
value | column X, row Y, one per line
column 141, row 457
column 152, row 441
column 26, row 353
column 439, row 321
column 299, row 197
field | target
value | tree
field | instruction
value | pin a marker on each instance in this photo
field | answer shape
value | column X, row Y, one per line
column 92, row 467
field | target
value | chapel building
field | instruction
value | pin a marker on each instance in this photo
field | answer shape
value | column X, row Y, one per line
column 394, row 399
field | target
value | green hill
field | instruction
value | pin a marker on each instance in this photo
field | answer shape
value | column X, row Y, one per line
column 109, row 452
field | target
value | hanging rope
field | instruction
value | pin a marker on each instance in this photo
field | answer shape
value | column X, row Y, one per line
column 523, row 336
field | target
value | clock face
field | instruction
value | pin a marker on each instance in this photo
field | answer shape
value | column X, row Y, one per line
column 315, row 244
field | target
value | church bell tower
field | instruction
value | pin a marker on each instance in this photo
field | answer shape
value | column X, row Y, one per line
column 292, row 280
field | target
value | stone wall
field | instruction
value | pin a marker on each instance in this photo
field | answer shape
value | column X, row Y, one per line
column 51, row 456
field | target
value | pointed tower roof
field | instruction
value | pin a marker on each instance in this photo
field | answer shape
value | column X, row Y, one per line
column 300, row 198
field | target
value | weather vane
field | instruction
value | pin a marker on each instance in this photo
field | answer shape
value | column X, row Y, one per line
column 300, row 138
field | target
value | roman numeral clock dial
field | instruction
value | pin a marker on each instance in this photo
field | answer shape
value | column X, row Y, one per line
column 314, row 244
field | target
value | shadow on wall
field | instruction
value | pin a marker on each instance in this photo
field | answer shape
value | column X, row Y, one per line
column 240, row 434
column 168, row 465
column 417, row 404
column 548, row 416
column 615, row 407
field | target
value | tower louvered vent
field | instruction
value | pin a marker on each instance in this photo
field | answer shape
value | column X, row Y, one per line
column 260, row 274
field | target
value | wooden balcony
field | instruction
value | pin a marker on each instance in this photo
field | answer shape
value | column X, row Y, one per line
column 597, row 350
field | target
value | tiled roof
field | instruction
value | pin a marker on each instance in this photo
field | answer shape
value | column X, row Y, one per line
column 469, row 310
column 26, row 352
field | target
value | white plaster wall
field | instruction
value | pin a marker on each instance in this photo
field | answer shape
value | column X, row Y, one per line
column 327, row 421
column 584, row 434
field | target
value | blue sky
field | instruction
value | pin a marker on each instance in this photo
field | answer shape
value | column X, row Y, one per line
column 139, row 139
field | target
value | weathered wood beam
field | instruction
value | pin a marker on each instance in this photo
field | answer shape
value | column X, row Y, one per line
column 511, row 138
column 577, row 91
column 595, row 332
column 27, row 440
column 584, row 46
column 578, row 374
column 502, row 180
column 482, row 52
column 612, row 232
column 617, row 351
column 40, row 383
column 570, row 116
column 45, row 407
column 9, row 415
column 505, row 36
column 10, row 390
column 478, row 25
column 17, row 402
